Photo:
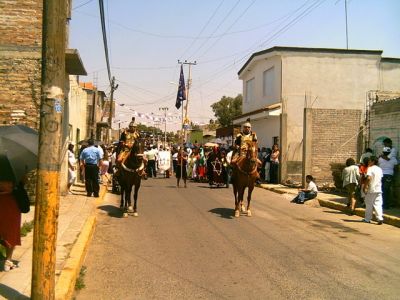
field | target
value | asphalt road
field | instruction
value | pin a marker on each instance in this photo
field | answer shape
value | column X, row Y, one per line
column 186, row 244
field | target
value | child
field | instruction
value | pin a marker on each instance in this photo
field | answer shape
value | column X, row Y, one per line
column 307, row 194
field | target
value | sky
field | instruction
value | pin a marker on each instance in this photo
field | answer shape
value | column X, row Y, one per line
column 147, row 38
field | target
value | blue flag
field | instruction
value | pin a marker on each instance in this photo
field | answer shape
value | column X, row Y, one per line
column 181, row 96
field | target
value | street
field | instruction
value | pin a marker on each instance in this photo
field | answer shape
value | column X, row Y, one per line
column 186, row 244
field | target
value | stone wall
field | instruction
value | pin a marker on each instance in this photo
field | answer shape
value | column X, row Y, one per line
column 20, row 60
column 331, row 136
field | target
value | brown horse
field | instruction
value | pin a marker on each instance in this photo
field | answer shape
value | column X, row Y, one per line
column 132, row 169
column 244, row 174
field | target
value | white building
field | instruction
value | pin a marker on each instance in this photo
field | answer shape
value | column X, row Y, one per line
column 280, row 82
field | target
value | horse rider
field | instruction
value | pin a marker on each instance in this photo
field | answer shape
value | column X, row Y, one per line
column 127, row 140
column 240, row 142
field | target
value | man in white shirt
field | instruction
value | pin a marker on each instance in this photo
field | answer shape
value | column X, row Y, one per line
column 373, row 191
column 387, row 164
column 393, row 151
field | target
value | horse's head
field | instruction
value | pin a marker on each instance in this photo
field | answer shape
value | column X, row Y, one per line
column 251, row 151
column 136, row 153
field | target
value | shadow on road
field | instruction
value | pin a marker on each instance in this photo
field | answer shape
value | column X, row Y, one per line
column 330, row 224
column 10, row 293
column 112, row 211
column 224, row 212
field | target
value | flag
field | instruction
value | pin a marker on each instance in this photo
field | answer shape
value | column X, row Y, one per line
column 181, row 96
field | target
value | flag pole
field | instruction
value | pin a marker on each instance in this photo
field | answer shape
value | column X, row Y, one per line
column 185, row 120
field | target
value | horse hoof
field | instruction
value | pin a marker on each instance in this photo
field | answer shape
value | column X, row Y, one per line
column 242, row 208
column 135, row 214
column 249, row 213
column 130, row 209
column 237, row 213
column 125, row 215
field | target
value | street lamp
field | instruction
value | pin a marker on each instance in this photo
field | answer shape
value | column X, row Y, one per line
column 164, row 109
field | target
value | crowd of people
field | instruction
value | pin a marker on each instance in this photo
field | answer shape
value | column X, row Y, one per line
column 368, row 183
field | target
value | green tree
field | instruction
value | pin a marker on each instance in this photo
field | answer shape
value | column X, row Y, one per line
column 227, row 108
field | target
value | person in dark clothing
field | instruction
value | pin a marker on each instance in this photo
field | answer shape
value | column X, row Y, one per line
column 91, row 159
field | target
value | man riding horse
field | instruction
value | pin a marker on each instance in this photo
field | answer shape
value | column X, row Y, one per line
column 240, row 142
column 244, row 167
column 128, row 139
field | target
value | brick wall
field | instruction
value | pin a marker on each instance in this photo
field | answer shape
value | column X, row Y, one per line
column 334, row 137
column 385, row 122
column 20, row 59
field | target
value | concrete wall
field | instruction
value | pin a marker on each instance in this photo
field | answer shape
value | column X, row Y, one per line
column 390, row 76
column 20, row 59
column 323, row 81
column 77, row 102
column 266, row 129
column 257, row 69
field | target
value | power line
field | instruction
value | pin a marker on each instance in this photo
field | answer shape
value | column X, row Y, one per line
column 218, row 26
column 279, row 32
column 83, row 4
column 103, row 29
column 234, row 22
column 204, row 27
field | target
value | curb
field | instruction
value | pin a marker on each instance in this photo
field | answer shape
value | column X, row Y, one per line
column 65, row 285
column 388, row 219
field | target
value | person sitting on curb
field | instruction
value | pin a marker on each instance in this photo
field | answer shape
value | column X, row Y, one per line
column 373, row 191
column 308, row 193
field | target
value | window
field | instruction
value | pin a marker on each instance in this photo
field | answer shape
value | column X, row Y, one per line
column 249, row 91
column 269, row 83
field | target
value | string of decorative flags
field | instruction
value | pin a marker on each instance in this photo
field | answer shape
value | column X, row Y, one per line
column 151, row 116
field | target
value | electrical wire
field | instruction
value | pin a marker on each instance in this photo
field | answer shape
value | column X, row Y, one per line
column 202, row 30
column 218, row 26
column 81, row 5
column 234, row 22
column 103, row 28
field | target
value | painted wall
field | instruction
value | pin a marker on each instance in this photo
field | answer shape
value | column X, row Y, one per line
column 390, row 76
column 77, row 102
column 256, row 70
column 266, row 129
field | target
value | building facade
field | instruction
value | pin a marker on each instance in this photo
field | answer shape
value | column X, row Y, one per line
column 281, row 82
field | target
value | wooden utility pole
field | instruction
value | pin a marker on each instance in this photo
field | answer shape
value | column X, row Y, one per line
column 113, row 88
column 164, row 109
column 185, row 120
column 51, row 111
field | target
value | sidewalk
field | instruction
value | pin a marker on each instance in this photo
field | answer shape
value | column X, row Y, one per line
column 75, row 226
column 391, row 216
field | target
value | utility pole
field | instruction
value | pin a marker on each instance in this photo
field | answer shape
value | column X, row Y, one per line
column 113, row 88
column 51, row 111
column 347, row 32
column 165, row 109
column 185, row 120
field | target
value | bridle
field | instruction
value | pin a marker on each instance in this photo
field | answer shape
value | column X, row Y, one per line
column 133, row 152
column 250, row 150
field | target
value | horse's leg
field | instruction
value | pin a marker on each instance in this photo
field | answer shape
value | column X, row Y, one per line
column 251, row 187
column 127, row 196
column 121, row 206
column 128, row 201
column 135, row 196
column 240, row 196
column 235, row 193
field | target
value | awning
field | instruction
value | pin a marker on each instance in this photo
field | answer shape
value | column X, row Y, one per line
column 73, row 63
column 274, row 110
